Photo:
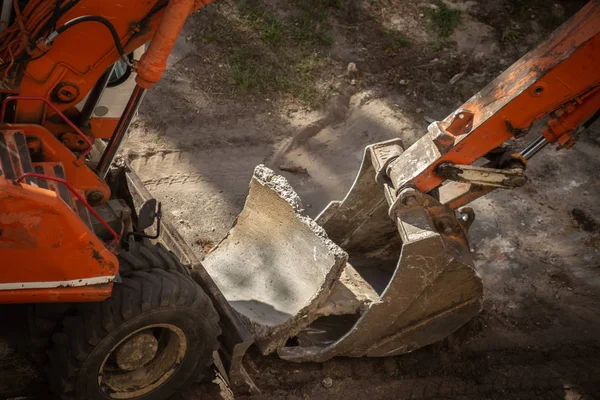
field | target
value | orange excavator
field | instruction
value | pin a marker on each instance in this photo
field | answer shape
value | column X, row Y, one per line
column 109, row 301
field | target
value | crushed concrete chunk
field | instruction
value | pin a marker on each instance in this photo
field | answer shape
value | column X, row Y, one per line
column 276, row 267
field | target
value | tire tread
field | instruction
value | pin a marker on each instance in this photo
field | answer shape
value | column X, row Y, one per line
column 151, row 279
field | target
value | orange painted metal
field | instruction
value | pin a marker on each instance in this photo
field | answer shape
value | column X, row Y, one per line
column 77, row 172
column 44, row 242
column 81, row 54
column 103, row 128
column 153, row 63
column 80, row 294
column 561, row 70
column 56, row 110
column 76, row 194
column 45, row 246
column 567, row 119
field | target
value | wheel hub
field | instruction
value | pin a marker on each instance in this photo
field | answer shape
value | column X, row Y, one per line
column 136, row 352
column 142, row 361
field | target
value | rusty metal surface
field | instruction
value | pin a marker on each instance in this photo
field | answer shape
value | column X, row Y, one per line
column 502, row 178
column 456, row 194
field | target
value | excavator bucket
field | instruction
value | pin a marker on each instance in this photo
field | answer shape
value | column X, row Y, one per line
column 397, row 285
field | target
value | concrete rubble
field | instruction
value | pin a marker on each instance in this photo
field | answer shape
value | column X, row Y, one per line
column 276, row 267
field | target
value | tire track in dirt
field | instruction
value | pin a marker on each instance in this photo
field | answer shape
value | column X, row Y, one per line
column 176, row 179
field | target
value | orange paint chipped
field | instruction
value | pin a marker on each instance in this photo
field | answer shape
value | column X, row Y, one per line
column 48, row 242
column 563, row 68
column 92, row 293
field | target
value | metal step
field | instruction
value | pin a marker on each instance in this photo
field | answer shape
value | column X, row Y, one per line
column 14, row 156
column 6, row 146
column 57, row 170
column 84, row 214
column 42, row 183
column 24, row 156
column 15, row 160
column 63, row 191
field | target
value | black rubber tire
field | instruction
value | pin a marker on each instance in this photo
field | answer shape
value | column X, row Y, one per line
column 144, row 256
column 152, row 291
column 44, row 319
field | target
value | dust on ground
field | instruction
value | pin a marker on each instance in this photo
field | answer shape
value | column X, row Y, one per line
column 302, row 87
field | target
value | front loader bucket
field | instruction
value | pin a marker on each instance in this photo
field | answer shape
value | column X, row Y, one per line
column 404, row 285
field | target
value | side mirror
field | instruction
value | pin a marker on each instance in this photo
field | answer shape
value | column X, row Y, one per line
column 147, row 215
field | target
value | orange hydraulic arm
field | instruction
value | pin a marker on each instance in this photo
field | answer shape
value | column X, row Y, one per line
column 150, row 70
column 558, row 83
column 154, row 61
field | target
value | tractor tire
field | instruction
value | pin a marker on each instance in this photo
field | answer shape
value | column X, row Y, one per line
column 155, row 334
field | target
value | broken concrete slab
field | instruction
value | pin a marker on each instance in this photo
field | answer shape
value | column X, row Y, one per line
column 351, row 294
column 276, row 267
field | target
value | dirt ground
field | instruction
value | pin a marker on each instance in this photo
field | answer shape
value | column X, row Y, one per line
column 268, row 81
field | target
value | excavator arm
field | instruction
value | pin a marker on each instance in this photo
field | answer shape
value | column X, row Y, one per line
column 61, row 50
column 557, row 84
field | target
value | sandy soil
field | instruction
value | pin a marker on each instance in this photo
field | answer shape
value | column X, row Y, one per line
column 200, row 134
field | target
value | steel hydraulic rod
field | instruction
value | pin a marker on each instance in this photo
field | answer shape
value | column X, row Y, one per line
column 120, row 130
column 94, row 96
column 534, row 147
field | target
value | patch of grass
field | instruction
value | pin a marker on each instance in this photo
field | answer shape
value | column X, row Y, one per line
column 443, row 19
column 511, row 35
column 307, row 29
column 437, row 45
column 268, row 27
column 311, row 25
column 395, row 41
column 216, row 34
column 296, row 77
column 273, row 56
column 251, row 71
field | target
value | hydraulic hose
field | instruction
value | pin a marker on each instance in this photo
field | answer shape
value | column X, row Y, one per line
column 91, row 18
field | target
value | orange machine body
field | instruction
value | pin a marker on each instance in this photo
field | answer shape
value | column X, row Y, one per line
column 79, row 56
column 48, row 249
column 48, row 253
